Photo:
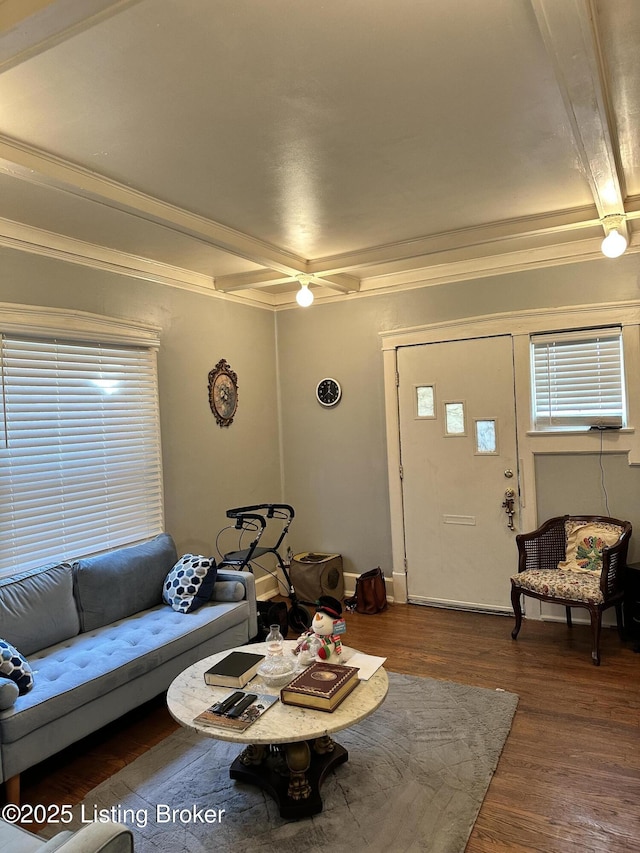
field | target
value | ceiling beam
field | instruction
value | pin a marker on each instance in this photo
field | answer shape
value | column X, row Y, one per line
column 341, row 282
column 421, row 250
column 341, row 273
column 252, row 280
column 38, row 167
column 262, row 279
column 570, row 33
column 29, row 27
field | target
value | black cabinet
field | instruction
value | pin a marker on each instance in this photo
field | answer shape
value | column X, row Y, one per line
column 631, row 606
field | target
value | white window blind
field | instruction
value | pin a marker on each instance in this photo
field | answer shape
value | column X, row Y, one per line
column 578, row 379
column 80, row 457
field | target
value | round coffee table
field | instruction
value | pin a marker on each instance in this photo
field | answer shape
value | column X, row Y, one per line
column 289, row 750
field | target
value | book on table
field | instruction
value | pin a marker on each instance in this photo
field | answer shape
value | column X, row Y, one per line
column 250, row 711
column 322, row 686
column 234, row 670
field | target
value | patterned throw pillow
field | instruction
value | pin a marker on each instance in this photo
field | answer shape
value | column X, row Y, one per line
column 190, row 583
column 585, row 543
column 14, row 666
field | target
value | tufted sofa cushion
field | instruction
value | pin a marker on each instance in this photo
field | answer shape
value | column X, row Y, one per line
column 120, row 583
column 571, row 585
column 37, row 608
column 91, row 665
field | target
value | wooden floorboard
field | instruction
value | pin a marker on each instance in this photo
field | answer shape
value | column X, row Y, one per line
column 568, row 780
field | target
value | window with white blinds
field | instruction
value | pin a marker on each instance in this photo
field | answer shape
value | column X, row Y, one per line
column 80, row 456
column 578, row 379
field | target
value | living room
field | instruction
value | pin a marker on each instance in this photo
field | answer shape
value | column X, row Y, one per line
column 443, row 251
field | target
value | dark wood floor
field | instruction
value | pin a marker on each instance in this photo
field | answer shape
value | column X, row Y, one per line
column 568, row 780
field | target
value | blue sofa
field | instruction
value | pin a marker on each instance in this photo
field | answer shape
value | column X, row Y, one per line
column 100, row 642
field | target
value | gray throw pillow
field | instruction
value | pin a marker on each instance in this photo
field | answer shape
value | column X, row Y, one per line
column 228, row 591
column 9, row 692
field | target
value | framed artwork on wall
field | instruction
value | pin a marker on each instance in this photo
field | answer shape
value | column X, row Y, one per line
column 223, row 393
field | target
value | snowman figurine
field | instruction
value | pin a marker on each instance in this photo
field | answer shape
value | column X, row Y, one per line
column 323, row 629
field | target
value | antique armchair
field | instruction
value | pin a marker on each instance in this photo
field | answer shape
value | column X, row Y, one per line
column 575, row 560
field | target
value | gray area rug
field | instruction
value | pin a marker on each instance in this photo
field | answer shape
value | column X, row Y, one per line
column 418, row 771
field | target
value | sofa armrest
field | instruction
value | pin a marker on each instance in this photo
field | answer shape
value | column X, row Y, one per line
column 249, row 582
column 106, row 837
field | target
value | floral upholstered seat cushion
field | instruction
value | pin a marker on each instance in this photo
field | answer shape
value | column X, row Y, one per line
column 558, row 583
column 584, row 546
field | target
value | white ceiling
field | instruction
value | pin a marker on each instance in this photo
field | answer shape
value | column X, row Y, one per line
column 230, row 145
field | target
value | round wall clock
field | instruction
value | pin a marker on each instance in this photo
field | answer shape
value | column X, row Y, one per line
column 328, row 392
column 223, row 393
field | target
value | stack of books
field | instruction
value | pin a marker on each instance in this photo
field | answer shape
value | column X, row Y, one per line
column 322, row 686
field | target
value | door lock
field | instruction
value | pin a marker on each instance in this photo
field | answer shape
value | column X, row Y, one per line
column 507, row 505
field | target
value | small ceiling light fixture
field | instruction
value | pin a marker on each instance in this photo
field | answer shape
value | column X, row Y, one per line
column 615, row 243
column 304, row 297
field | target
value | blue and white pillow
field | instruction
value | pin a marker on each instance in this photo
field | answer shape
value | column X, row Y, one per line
column 190, row 583
column 14, row 666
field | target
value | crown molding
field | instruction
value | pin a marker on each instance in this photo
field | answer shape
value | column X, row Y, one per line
column 561, row 222
column 451, row 271
column 37, row 241
column 448, row 270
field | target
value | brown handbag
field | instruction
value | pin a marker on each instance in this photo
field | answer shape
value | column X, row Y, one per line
column 371, row 594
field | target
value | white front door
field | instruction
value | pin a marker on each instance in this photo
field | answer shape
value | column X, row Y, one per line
column 459, row 458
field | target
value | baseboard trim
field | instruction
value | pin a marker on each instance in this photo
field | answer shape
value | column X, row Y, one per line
column 267, row 587
column 456, row 605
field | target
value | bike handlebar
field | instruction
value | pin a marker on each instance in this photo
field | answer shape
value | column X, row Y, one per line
column 254, row 510
column 241, row 517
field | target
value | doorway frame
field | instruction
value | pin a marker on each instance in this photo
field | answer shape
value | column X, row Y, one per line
column 520, row 325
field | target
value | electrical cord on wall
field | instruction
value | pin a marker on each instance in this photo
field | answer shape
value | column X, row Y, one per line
column 602, row 480
column 601, row 430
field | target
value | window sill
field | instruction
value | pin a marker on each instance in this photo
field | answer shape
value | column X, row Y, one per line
column 556, row 433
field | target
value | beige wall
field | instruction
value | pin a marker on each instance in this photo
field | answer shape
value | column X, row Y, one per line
column 335, row 460
column 587, row 484
column 206, row 468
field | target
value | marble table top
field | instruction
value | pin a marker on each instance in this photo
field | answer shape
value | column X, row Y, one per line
column 188, row 696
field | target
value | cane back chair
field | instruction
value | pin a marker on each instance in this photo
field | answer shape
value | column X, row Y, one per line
column 577, row 561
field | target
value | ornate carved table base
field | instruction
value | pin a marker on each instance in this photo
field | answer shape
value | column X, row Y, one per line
column 291, row 773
